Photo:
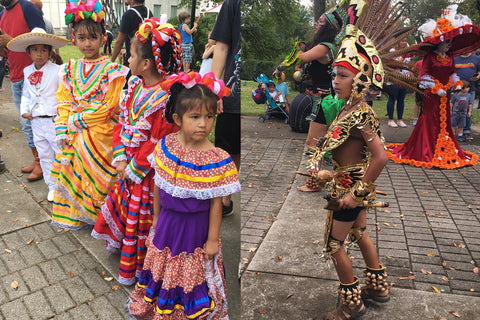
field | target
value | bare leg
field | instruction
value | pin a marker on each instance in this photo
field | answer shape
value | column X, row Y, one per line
column 367, row 247
column 343, row 265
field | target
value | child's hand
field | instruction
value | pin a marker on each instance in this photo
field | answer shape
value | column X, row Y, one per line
column 27, row 116
column 121, row 166
column 347, row 202
column 211, row 249
column 63, row 143
column 469, row 114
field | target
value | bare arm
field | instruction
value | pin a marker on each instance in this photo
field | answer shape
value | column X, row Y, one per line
column 118, row 45
column 4, row 39
column 187, row 29
column 208, row 51
column 211, row 246
column 218, row 65
column 319, row 52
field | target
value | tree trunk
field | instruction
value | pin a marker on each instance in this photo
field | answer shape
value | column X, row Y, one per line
column 318, row 8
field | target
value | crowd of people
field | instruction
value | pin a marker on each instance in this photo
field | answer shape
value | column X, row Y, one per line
column 124, row 148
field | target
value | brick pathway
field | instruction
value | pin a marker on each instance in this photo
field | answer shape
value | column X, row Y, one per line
column 57, row 278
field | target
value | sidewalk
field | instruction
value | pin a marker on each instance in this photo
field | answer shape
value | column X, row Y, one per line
column 65, row 274
column 431, row 225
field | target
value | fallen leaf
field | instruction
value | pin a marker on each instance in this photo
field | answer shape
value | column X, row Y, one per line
column 430, row 214
column 406, row 278
column 445, row 278
column 444, row 263
column 29, row 242
column 386, row 223
column 435, row 289
column 472, row 289
column 431, row 255
column 108, row 278
column 455, row 314
column 252, row 249
column 59, row 230
column 70, row 274
column 461, row 245
column 289, row 295
column 103, row 273
column 8, row 250
column 15, row 220
column 280, row 257
column 475, row 270
column 262, row 311
column 9, row 211
column 116, row 287
column 387, row 211
column 426, row 271
column 472, row 262
column 14, row 285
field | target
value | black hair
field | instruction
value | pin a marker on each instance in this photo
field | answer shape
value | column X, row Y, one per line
column 326, row 34
column 270, row 84
column 182, row 99
column 91, row 26
column 167, row 54
column 307, row 84
column 49, row 47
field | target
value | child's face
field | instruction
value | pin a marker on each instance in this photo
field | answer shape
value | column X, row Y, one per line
column 342, row 81
column 88, row 44
column 135, row 60
column 445, row 46
column 465, row 90
column 196, row 123
column 271, row 88
column 39, row 54
column 187, row 20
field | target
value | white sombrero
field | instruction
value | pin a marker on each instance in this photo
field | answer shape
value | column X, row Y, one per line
column 36, row 36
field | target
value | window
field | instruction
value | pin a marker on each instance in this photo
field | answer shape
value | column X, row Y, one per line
column 173, row 11
column 157, row 9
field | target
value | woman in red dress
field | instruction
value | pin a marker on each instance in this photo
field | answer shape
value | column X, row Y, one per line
column 433, row 143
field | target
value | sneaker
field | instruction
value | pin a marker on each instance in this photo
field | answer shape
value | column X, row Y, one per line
column 469, row 138
column 227, row 210
column 50, row 195
column 401, row 124
column 461, row 138
column 414, row 123
column 392, row 124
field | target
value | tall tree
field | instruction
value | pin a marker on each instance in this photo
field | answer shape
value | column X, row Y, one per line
column 319, row 8
column 418, row 11
column 471, row 8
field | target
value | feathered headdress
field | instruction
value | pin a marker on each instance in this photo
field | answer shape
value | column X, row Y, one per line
column 373, row 28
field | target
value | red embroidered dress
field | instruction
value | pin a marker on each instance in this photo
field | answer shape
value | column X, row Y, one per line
column 433, row 143
column 127, row 214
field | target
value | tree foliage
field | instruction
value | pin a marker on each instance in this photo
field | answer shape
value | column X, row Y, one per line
column 418, row 11
column 269, row 28
column 471, row 9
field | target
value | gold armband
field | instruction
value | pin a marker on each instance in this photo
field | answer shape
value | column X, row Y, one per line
column 363, row 191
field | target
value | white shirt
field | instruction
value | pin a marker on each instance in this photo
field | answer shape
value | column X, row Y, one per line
column 41, row 99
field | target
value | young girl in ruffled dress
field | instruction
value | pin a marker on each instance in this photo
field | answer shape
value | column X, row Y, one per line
column 87, row 112
column 127, row 214
column 183, row 275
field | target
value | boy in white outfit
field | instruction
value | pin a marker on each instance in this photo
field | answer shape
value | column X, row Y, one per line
column 39, row 101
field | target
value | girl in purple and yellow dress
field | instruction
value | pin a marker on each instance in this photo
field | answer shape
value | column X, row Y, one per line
column 127, row 214
column 183, row 275
column 87, row 112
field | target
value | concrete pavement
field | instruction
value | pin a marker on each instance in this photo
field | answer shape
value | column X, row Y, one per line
column 63, row 274
column 428, row 238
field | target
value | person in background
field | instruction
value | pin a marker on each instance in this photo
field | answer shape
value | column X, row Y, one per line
column 467, row 67
column 187, row 40
column 226, row 65
column 19, row 17
column 207, row 56
column 131, row 19
column 462, row 103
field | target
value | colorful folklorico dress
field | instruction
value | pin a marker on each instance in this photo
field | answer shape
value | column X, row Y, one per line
column 127, row 214
column 176, row 281
column 87, row 113
column 433, row 143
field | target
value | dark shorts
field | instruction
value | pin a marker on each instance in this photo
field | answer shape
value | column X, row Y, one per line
column 227, row 132
column 347, row 215
column 459, row 119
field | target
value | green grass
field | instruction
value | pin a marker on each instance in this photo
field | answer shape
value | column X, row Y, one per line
column 70, row 52
column 380, row 106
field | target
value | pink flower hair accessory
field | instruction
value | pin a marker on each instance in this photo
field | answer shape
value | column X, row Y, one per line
column 188, row 80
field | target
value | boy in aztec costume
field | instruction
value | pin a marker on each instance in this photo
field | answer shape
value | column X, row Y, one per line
column 357, row 147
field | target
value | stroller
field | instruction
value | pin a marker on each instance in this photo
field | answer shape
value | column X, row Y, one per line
column 271, row 108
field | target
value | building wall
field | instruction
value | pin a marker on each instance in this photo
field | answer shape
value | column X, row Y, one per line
column 53, row 10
